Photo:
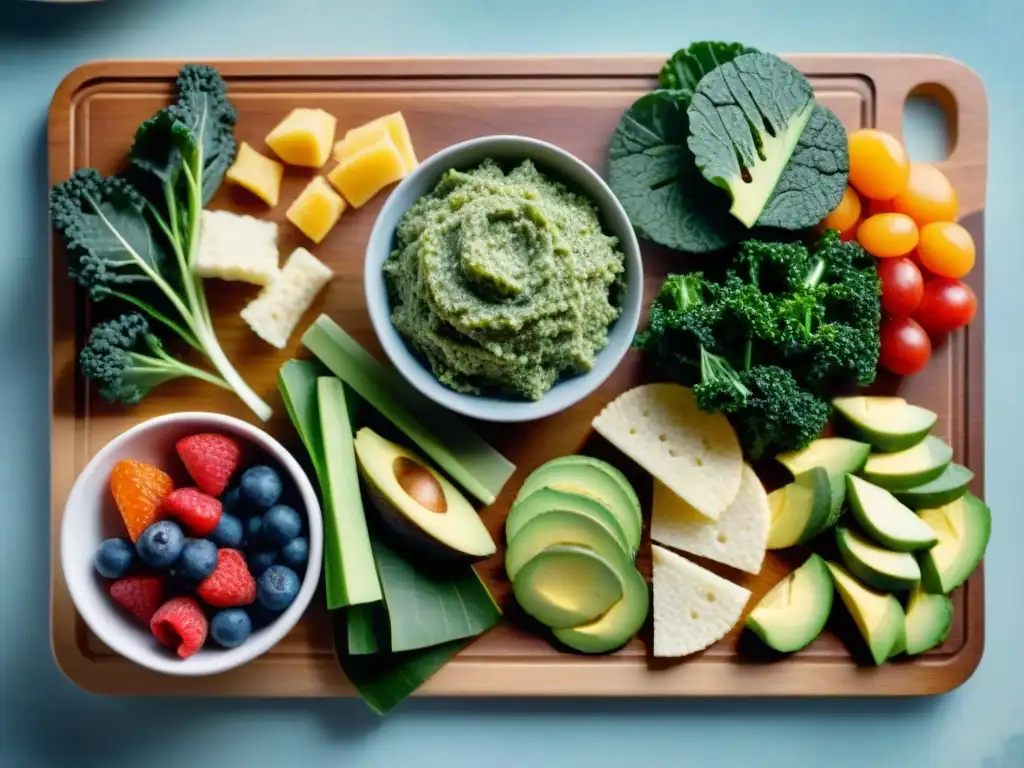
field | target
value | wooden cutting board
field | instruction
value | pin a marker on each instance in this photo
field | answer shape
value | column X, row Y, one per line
column 576, row 103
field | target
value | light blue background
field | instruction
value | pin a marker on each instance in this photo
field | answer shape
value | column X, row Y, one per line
column 45, row 721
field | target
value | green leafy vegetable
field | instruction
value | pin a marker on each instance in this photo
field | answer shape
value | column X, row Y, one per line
column 746, row 118
column 688, row 65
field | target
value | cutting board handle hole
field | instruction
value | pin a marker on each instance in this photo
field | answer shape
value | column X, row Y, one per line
column 930, row 123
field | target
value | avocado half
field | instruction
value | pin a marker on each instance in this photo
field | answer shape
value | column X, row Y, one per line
column 427, row 514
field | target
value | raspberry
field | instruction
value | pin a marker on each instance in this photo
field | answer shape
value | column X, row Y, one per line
column 195, row 510
column 140, row 595
column 230, row 584
column 210, row 459
column 138, row 490
column 180, row 622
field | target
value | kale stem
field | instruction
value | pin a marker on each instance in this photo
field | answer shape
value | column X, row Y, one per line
column 748, row 353
column 184, row 333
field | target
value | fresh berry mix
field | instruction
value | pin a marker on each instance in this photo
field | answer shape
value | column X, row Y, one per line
column 198, row 559
column 219, row 559
column 228, row 533
column 210, row 459
column 114, row 558
column 281, row 524
column 231, row 627
column 197, row 512
column 279, row 585
column 260, row 487
column 161, row 544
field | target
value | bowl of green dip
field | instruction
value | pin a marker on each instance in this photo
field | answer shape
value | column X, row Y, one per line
column 503, row 279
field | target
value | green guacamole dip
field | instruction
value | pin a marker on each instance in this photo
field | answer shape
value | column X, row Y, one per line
column 504, row 282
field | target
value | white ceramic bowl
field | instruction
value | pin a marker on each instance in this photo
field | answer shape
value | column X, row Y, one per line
column 422, row 180
column 90, row 516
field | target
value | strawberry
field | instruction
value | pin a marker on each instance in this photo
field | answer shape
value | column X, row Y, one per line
column 230, row 584
column 140, row 595
column 195, row 510
column 180, row 622
column 210, row 459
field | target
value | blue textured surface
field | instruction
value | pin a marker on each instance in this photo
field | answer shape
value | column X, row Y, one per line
column 45, row 721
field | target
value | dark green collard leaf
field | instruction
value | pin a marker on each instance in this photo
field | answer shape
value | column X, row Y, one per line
column 653, row 174
column 815, row 177
column 367, row 628
column 688, row 65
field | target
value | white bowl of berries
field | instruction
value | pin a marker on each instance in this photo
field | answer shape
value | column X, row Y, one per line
column 192, row 543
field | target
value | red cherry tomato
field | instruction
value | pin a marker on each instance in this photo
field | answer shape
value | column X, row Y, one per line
column 902, row 285
column 945, row 306
column 905, row 347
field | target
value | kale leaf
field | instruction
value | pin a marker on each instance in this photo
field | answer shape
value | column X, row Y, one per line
column 688, row 65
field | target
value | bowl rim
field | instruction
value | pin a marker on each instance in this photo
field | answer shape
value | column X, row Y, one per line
column 489, row 408
column 230, row 658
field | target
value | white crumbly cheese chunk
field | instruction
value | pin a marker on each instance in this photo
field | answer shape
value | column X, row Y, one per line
column 693, row 608
column 737, row 538
column 274, row 314
column 237, row 247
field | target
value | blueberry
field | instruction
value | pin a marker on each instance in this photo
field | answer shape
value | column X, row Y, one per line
column 260, row 486
column 114, row 558
column 254, row 532
column 295, row 554
column 281, row 524
column 231, row 628
column 231, row 501
column 258, row 562
column 198, row 559
column 161, row 543
column 278, row 586
column 228, row 532
column 179, row 585
column 261, row 615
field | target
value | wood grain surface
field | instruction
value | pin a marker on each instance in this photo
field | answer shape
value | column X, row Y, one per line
column 574, row 102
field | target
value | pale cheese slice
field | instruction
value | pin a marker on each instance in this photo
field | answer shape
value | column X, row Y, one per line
column 693, row 452
column 693, row 608
column 237, row 247
column 274, row 314
column 737, row 538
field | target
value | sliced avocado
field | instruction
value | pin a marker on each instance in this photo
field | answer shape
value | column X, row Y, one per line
column 800, row 510
column 423, row 509
column 905, row 469
column 837, row 455
column 597, row 479
column 963, row 528
column 885, row 520
column 618, row 626
column 879, row 617
column 546, row 499
column 944, row 489
column 880, row 568
column 929, row 618
column 888, row 423
column 558, row 526
column 793, row 612
column 567, row 585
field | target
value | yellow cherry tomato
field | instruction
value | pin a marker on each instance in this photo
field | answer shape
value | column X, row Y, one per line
column 928, row 197
column 844, row 217
column 946, row 249
column 879, row 166
column 887, row 235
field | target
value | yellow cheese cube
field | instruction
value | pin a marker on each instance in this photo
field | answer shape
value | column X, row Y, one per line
column 362, row 175
column 365, row 135
column 316, row 210
column 304, row 137
column 257, row 173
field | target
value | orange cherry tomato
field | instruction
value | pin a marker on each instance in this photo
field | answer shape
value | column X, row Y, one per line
column 946, row 249
column 887, row 235
column 879, row 166
column 928, row 197
column 844, row 217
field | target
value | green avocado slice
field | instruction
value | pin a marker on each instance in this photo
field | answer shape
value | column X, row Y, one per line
column 618, row 625
column 889, row 424
column 559, row 526
column 882, row 569
column 800, row 510
column 944, row 489
column 567, row 585
column 794, row 612
column 918, row 464
column 544, row 500
column 963, row 528
column 929, row 618
column 885, row 519
column 879, row 617
column 838, row 456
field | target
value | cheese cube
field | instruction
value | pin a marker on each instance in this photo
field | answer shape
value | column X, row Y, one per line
column 257, row 173
column 304, row 137
column 274, row 314
column 316, row 210
column 362, row 175
column 237, row 247
column 364, row 135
